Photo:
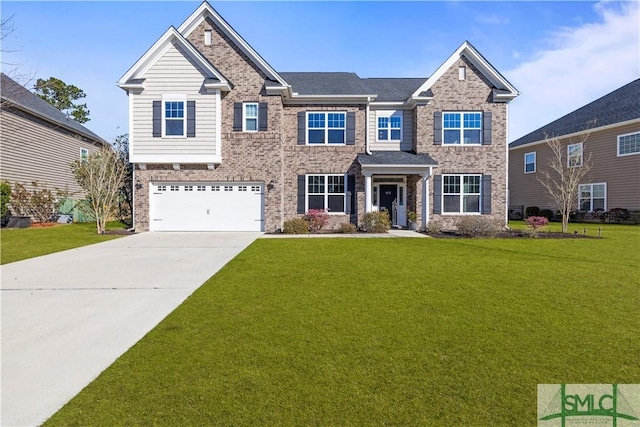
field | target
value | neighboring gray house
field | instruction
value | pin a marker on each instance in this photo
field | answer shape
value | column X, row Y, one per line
column 222, row 141
column 612, row 124
column 38, row 142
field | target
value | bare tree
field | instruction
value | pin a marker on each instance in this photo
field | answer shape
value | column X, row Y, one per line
column 101, row 176
column 564, row 174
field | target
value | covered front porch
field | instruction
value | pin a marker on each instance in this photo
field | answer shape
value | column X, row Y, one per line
column 389, row 184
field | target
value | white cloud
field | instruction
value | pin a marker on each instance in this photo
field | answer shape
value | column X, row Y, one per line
column 579, row 65
column 492, row 20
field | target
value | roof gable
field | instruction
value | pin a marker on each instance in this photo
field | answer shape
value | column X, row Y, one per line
column 503, row 89
column 20, row 97
column 206, row 11
column 134, row 78
column 621, row 105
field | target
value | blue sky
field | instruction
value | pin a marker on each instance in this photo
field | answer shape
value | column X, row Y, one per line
column 560, row 55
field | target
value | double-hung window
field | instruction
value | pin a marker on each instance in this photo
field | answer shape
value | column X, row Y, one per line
column 326, row 192
column 592, row 197
column 174, row 118
column 574, row 155
column 629, row 144
column 530, row 162
column 390, row 127
column 326, row 128
column 250, row 117
column 461, row 193
column 462, row 128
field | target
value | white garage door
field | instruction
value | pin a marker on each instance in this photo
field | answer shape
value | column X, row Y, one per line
column 211, row 206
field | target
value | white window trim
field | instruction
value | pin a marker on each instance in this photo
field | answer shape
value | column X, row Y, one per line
column 535, row 161
column 389, row 114
column 569, row 165
column 591, row 198
column 618, row 145
column 326, row 128
column 244, row 116
column 326, row 193
column 462, row 194
column 174, row 98
column 462, row 128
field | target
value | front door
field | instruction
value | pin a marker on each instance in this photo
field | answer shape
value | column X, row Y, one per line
column 388, row 194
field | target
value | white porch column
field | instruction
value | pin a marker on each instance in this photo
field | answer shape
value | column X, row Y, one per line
column 367, row 193
column 425, row 200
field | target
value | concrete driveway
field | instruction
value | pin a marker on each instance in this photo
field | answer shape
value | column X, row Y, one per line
column 67, row 316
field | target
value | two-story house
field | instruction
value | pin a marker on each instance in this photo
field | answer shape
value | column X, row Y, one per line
column 606, row 133
column 38, row 143
column 222, row 141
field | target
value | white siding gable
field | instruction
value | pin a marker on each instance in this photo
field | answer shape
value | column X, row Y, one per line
column 174, row 73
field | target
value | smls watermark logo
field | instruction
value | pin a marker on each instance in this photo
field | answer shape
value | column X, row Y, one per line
column 610, row 405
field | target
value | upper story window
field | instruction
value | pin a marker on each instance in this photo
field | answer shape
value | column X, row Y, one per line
column 530, row 162
column 84, row 155
column 629, row 144
column 250, row 117
column 462, row 128
column 174, row 115
column 389, row 127
column 461, row 193
column 326, row 128
column 574, row 155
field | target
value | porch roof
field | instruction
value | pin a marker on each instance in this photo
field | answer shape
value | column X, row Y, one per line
column 396, row 162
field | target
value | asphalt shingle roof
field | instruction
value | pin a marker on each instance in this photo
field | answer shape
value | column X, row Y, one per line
column 394, row 89
column 18, row 95
column 326, row 83
column 396, row 158
column 618, row 106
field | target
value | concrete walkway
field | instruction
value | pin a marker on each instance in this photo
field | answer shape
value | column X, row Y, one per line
column 67, row 316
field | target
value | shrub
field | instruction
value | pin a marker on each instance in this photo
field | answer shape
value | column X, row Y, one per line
column 547, row 213
column 534, row 223
column 433, row 227
column 5, row 197
column 346, row 228
column 317, row 218
column 618, row 215
column 531, row 211
column 39, row 203
column 296, row 226
column 376, row 222
column 478, row 226
column 634, row 217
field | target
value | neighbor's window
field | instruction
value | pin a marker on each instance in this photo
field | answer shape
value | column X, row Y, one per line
column 390, row 127
column 461, row 193
column 174, row 118
column 84, row 155
column 629, row 144
column 574, row 155
column 530, row 162
column 326, row 192
column 592, row 197
column 462, row 128
column 326, row 128
column 250, row 121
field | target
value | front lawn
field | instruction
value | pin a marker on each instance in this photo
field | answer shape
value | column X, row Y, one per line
column 336, row 332
column 21, row 243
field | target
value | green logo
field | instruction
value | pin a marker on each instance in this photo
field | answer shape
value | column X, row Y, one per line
column 585, row 403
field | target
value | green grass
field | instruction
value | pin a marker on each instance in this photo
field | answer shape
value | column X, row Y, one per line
column 18, row 244
column 336, row 332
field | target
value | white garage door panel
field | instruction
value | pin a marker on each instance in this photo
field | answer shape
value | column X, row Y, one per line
column 206, row 207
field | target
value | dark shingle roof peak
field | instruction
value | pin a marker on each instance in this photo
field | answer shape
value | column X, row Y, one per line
column 19, row 96
column 621, row 105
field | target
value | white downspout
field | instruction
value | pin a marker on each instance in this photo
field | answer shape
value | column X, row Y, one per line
column 366, row 124
column 506, row 179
